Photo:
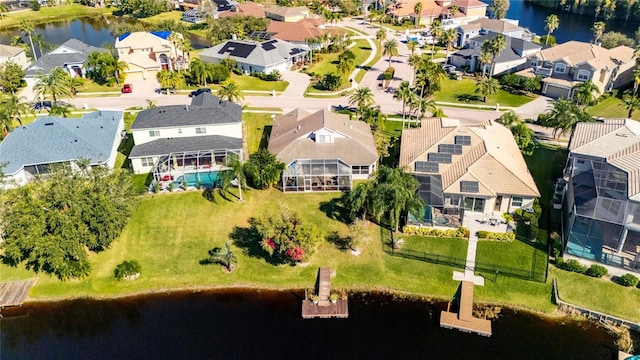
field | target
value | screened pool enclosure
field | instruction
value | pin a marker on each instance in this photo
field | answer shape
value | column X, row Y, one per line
column 192, row 167
column 317, row 175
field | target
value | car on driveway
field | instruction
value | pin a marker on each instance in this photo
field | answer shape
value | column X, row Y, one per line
column 195, row 93
column 127, row 88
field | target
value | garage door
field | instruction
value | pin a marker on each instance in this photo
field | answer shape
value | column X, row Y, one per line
column 557, row 92
column 151, row 74
column 134, row 75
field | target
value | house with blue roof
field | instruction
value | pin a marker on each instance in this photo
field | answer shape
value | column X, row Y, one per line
column 29, row 151
column 149, row 52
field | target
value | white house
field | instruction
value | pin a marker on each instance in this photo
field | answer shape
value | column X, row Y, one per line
column 14, row 54
column 30, row 150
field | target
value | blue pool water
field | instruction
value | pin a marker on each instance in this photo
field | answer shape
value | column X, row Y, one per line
column 207, row 179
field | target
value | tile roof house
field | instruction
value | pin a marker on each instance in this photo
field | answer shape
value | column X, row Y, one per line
column 180, row 139
column 14, row 54
column 298, row 32
column 251, row 56
column 287, row 14
column 438, row 9
column 30, row 150
column 244, row 9
column 602, row 201
column 147, row 53
column 483, row 26
column 466, row 169
column 323, row 151
column 70, row 56
column 565, row 65
column 512, row 58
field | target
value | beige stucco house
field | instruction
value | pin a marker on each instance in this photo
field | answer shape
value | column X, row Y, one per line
column 147, row 53
column 466, row 169
column 565, row 65
column 287, row 14
column 438, row 9
column 14, row 54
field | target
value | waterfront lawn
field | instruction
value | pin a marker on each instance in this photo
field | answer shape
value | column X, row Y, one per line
column 517, row 255
column 432, row 245
column 257, row 127
column 175, row 15
column 598, row 294
column 49, row 14
column 611, row 107
column 463, row 91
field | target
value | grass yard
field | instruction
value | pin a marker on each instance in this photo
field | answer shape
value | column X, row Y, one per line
column 545, row 165
column 257, row 128
column 442, row 246
column 518, row 255
column 360, row 49
column 51, row 14
column 90, row 86
column 175, row 15
column 612, row 107
column 246, row 82
column 463, row 91
column 366, row 67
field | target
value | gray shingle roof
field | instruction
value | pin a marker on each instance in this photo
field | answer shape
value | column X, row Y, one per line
column 52, row 60
column 52, row 139
column 513, row 47
column 194, row 143
column 260, row 54
column 204, row 109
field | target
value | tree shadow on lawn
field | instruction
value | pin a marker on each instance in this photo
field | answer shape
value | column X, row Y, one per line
column 248, row 239
column 335, row 211
column 467, row 98
column 341, row 242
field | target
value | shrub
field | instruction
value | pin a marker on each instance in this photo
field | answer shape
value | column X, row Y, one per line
column 388, row 74
column 628, row 280
column 460, row 232
column 482, row 234
column 500, row 236
column 127, row 270
column 571, row 265
column 597, row 271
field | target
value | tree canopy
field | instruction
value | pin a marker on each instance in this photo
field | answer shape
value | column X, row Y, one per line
column 11, row 75
column 263, row 169
column 50, row 225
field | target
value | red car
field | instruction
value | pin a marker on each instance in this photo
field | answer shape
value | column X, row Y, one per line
column 127, row 88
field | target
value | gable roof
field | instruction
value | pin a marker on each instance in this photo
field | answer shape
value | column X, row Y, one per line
column 157, row 40
column 71, row 51
column 466, row 4
column 285, row 11
column 184, row 144
column 495, row 25
column 244, row 9
column 290, row 138
column 9, row 51
column 259, row 54
column 493, row 158
column 577, row 52
column 513, row 46
column 617, row 141
column 53, row 139
column 299, row 31
column 205, row 109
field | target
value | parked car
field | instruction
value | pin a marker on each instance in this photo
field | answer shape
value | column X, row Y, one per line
column 127, row 88
column 195, row 93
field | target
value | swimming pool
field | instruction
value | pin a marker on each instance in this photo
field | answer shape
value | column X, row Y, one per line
column 207, row 179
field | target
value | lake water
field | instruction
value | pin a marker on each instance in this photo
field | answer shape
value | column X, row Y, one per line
column 251, row 324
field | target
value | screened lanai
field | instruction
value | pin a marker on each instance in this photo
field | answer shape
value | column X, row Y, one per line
column 317, row 175
column 193, row 167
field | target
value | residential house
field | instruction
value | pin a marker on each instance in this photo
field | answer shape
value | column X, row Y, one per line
column 14, row 54
column 71, row 56
column 216, row 5
column 251, row 56
column 298, row 32
column 512, row 58
column 186, row 140
column 243, row 10
column 147, row 53
column 466, row 170
column 286, row 14
column 602, row 202
column 484, row 26
column 566, row 65
column 438, row 9
column 32, row 149
column 323, row 151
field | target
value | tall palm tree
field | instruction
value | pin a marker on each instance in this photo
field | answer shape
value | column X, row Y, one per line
column 381, row 35
column 487, row 86
column 164, row 78
column 424, row 104
column 230, row 92
column 55, row 83
column 174, row 38
column 403, row 94
column 12, row 108
column 436, row 32
column 551, row 23
column 362, row 98
column 390, row 49
column 453, row 10
column 448, row 38
column 374, row 117
column 200, row 72
column 224, row 256
column 564, row 115
column 498, row 44
column 235, row 171
column 632, row 103
column 312, row 42
column 636, row 78
column 414, row 62
column 417, row 10
column 429, row 77
column 598, row 30
column 585, row 93
column 27, row 28
column 412, row 45
column 485, row 56
column 398, row 191
column 346, row 63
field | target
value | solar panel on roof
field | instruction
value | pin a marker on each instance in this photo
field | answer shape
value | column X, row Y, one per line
column 427, row 166
column 439, row 158
column 469, row 186
column 238, row 49
column 268, row 45
column 463, row 140
column 450, row 149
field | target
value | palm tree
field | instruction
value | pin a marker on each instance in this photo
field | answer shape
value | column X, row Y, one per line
column 346, row 63
column 423, row 105
column 374, row 117
column 403, row 94
column 411, row 45
column 436, row 33
column 27, row 28
column 585, row 93
column 12, row 108
column 312, row 42
column 498, row 44
column 429, row 77
column 381, row 35
column 362, row 98
column 632, row 103
column 453, row 10
column 118, row 69
column 414, row 62
column 398, row 191
column 390, row 49
column 598, row 30
column 551, row 23
column 164, row 78
column 448, row 38
column 224, row 256
column 75, row 84
column 235, row 171
column 55, row 83
column 508, row 119
column 200, row 72
column 3, row 9
column 636, row 78
column 230, row 92
column 487, row 86
column 417, row 10
column 564, row 115
column 485, row 56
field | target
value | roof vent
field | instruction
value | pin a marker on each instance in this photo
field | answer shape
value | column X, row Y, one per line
column 621, row 135
column 77, row 127
column 48, row 124
column 298, row 127
column 76, row 140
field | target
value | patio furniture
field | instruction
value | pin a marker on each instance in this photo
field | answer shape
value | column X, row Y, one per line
column 493, row 221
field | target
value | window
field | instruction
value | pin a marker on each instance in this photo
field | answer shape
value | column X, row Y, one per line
column 147, row 161
column 427, row 166
column 201, row 130
column 154, row 133
column 324, row 138
column 584, row 75
column 469, row 186
column 360, row 170
column 516, row 201
column 560, row 68
column 534, row 62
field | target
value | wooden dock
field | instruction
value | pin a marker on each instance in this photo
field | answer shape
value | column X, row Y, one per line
column 464, row 320
column 14, row 293
column 324, row 307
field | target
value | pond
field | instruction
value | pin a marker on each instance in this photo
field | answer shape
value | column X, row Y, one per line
column 254, row 324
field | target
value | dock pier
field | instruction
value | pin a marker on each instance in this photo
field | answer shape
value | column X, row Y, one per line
column 324, row 307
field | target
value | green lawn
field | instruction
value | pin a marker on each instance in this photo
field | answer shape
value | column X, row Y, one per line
column 463, row 91
column 51, row 14
column 366, row 67
column 257, row 127
column 546, row 165
column 327, row 64
column 611, row 107
column 517, row 255
column 442, row 246
column 90, row 86
column 246, row 82
column 169, row 15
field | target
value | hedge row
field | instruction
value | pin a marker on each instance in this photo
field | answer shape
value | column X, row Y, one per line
column 496, row 236
column 460, row 232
